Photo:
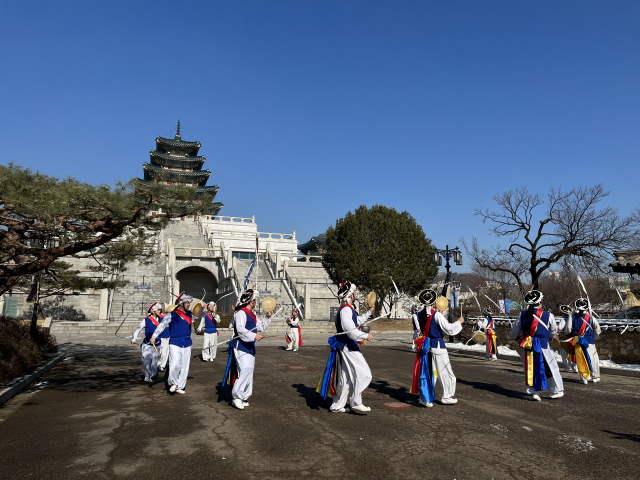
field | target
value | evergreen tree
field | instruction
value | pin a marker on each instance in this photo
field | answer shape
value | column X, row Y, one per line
column 369, row 245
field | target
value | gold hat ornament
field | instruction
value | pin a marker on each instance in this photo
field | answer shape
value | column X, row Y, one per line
column 442, row 303
column 268, row 304
column 371, row 299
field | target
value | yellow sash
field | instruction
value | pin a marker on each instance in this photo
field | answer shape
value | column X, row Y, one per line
column 527, row 345
column 581, row 360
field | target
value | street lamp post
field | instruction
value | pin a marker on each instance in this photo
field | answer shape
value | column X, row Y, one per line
column 447, row 254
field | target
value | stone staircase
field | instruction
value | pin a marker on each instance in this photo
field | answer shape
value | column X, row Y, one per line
column 147, row 283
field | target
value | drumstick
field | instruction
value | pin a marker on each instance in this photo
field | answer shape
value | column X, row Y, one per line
column 379, row 332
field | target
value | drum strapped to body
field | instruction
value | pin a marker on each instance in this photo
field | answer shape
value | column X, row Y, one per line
column 479, row 337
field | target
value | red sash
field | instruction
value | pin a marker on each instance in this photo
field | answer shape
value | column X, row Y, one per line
column 250, row 313
column 153, row 320
column 183, row 315
column 427, row 326
column 534, row 324
column 585, row 324
column 347, row 305
column 161, row 315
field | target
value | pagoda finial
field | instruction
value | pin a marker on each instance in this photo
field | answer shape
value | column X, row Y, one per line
column 178, row 137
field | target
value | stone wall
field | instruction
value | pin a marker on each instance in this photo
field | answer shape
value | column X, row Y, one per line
column 623, row 348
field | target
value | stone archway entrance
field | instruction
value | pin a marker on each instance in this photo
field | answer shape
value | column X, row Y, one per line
column 194, row 279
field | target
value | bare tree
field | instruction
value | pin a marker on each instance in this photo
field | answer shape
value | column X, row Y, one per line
column 543, row 232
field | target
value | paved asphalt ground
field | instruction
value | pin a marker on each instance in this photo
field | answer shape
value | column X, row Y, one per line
column 92, row 417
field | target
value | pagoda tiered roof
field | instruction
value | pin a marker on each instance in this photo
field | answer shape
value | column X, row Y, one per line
column 176, row 146
column 176, row 162
column 164, row 160
column 199, row 177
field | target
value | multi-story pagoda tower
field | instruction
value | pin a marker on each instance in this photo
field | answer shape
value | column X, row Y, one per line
column 176, row 162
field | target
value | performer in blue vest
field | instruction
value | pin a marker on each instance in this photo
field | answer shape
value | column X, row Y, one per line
column 209, row 323
column 487, row 325
column 179, row 323
column 435, row 328
column 242, row 351
column 350, row 370
column 149, row 352
column 585, row 329
column 423, row 372
column 534, row 328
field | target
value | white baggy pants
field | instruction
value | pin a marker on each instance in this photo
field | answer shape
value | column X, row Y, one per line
column 149, row 361
column 210, row 346
column 179, row 360
column 595, row 361
column 445, row 377
column 243, row 388
column 294, row 335
column 355, row 375
column 568, row 365
column 164, row 353
column 554, row 383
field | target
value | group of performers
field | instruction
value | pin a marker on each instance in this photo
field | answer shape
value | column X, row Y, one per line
column 347, row 373
column 581, row 329
column 174, row 331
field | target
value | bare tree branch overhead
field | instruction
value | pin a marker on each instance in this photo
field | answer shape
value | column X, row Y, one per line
column 567, row 225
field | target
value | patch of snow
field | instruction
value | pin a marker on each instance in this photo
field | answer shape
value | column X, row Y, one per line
column 500, row 428
column 626, row 366
column 528, row 429
column 576, row 444
column 502, row 349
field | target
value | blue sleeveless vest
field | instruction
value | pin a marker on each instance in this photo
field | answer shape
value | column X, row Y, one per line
column 247, row 347
column 166, row 333
column 578, row 320
column 209, row 324
column 344, row 339
column 435, row 334
column 149, row 328
column 541, row 332
column 180, row 330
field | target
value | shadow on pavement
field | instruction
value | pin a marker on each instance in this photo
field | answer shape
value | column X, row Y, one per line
column 399, row 394
column 634, row 437
column 494, row 388
column 224, row 393
column 313, row 398
column 403, row 350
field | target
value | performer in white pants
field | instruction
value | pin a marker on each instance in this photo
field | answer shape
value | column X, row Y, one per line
column 538, row 326
column 242, row 350
column 163, row 348
column 416, row 326
column 355, row 374
column 179, row 324
column 584, row 326
column 294, row 331
column 435, row 328
column 149, row 352
column 209, row 323
column 568, row 365
column 487, row 325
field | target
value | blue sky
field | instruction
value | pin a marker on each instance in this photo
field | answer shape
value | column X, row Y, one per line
column 308, row 109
